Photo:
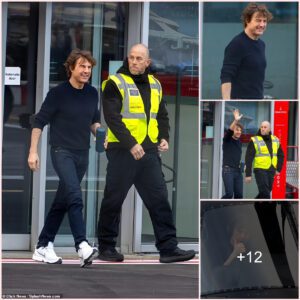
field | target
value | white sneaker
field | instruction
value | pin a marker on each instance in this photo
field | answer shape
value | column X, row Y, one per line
column 46, row 254
column 86, row 254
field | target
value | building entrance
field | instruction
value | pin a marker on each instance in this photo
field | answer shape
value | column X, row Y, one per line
column 19, row 103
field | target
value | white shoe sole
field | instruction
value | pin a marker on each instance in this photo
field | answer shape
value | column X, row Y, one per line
column 41, row 258
column 88, row 261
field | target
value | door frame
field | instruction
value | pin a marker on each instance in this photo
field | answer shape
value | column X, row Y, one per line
column 28, row 241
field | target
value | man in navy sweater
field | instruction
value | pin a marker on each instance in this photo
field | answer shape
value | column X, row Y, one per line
column 232, row 153
column 71, row 109
column 244, row 64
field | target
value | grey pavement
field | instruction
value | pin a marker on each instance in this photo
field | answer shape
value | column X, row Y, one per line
column 120, row 280
column 22, row 278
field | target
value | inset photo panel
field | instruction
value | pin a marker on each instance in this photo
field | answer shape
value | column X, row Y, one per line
column 249, row 150
column 249, row 50
column 249, row 249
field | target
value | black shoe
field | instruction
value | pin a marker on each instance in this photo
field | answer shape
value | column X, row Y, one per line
column 176, row 255
column 110, row 254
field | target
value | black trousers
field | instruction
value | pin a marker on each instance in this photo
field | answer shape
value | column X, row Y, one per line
column 122, row 172
column 264, row 180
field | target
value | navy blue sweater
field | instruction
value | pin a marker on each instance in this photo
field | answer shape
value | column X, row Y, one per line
column 70, row 113
column 232, row 150
column 244, row 66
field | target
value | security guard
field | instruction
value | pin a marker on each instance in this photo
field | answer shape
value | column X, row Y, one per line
column 265, row 153
column 138, row 128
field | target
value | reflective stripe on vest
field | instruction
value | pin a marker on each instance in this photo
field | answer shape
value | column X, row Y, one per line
column 133, row 111
column 262, row 158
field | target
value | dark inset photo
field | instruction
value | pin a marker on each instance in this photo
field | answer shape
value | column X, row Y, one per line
column 249, row 249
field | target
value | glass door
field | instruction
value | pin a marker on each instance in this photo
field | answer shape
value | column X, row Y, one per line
column 19, row 103
column 173, row 44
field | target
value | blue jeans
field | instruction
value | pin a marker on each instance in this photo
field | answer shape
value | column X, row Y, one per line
column 70, row 166
column 233, row 182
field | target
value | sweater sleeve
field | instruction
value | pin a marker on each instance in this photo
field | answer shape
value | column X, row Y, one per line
column 163, row 121
column 250, row 154
column 47, row 111
column 96, row 117
column 112, row 105
column 231, row 62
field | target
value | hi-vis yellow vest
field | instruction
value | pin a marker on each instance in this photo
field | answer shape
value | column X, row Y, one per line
column 133, row 111
column 262, row 158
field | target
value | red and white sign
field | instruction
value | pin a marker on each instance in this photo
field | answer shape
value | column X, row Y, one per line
column 281, row 122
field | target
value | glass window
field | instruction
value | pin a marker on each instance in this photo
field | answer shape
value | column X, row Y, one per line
column 222, row 22
column 173, row 45
column 19, row 103
column 99, row 28
column 173, row 38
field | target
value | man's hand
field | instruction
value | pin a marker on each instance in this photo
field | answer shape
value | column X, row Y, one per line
column 248, row 179
column 33, row 157
column 137, row 151
column 163, row 146
column 226, row 90
column 236, row 114
column 93, row 128
column 277, row 173
column 105, row 142
column 239, row 248
column 33, row 161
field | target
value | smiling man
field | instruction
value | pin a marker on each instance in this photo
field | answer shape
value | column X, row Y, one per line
column 244, row 63
column 71, row 109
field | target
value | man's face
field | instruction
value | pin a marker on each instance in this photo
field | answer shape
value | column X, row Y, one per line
column 257, row 25
column 82, row 71
column 265, row 128
column 237, row 132
column 138, row 60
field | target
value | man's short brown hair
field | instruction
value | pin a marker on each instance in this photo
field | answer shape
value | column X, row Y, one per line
column 253, row 8
column 239, row 125
column 74, row 56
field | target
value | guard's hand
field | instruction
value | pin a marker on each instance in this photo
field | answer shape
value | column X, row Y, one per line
column 137, row 151
column 105, row 142
column 33, row 161
column 163, row 146
column 248, row 179
column 277, row 173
